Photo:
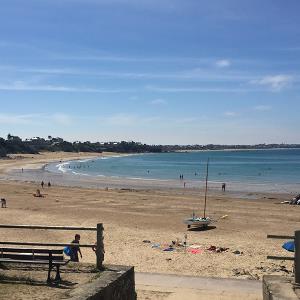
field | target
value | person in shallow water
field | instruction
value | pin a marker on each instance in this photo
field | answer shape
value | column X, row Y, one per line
column 223, row 187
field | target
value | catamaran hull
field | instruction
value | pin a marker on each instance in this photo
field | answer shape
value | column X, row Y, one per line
column 197, row 222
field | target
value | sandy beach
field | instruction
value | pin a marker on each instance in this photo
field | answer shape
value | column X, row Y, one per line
column 136, row 219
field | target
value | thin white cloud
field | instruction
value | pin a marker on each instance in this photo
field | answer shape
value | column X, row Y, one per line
column 223, row 63
column 185, row 121
column 150, row 59
column 201, row 74
column 158, row 101
column 263, row 107
column 13, row 119
column 196, row 89
column 24, row 86
column 275, row 83
column 204, row 73
column 230, row 114
column 127, row 120
column 35, row 119
column 121, row 119
column 61, row 119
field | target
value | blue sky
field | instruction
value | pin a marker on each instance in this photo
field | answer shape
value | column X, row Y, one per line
column 162, row 72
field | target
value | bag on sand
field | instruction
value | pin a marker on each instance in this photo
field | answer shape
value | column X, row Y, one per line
column 67, row 251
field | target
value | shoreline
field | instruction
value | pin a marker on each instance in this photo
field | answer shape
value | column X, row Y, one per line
column 35, row 170
column 96, row 182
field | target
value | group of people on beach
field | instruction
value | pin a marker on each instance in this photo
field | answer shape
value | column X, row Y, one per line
column 184, row 184
column 43, row 183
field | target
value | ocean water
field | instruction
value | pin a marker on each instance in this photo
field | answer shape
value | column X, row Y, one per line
column 268, row 167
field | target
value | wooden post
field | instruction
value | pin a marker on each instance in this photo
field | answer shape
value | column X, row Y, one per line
column 297, row 256
column 100, row 246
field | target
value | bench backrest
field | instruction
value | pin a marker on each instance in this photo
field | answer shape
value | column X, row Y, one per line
column 31, row 254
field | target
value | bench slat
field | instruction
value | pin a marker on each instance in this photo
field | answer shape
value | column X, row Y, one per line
column 27, row 250
column 280, row 257
column 21, row 256
column 37, row 262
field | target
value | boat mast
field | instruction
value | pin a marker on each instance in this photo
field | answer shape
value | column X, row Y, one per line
column 206, row 188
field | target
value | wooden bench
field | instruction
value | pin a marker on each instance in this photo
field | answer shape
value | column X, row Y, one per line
column 51, row 257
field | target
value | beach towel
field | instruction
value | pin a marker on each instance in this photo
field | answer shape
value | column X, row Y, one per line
column 289, row 246
column 195, row 251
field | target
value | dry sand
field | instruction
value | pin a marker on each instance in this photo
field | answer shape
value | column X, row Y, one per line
column 132, row 216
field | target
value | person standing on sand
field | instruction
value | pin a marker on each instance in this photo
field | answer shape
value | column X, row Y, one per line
column 75, row 249
column 223, row 187
column 42, row 184
column 3, row 203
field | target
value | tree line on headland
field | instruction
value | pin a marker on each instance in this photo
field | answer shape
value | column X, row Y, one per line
column 15, row 145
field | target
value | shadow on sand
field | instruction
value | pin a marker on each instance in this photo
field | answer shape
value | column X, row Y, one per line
column 207, row 228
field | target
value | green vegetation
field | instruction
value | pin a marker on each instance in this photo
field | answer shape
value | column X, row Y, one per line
column 15, row 145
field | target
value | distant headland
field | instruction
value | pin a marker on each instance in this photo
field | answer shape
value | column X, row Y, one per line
column 14, row 145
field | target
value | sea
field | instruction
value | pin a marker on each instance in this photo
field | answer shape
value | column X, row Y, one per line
column 269, row 168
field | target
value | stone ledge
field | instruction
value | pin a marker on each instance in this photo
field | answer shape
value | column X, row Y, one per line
column 278, row 288
column 114, row 283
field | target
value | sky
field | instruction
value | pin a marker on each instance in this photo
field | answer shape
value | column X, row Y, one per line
column 151, row 71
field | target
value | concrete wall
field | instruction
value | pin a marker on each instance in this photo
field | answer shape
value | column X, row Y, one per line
column 278, row 288
column 114, row 283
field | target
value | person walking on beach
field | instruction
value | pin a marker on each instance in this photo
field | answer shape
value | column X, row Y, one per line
column 3, row 203
column 75, row 249
column 223, row 187
column 49, row 184
column 42, row 184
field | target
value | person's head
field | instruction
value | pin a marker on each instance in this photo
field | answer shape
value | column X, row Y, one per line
column 77, row 237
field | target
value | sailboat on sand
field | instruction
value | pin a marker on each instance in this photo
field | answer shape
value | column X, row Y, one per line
column 204, row 221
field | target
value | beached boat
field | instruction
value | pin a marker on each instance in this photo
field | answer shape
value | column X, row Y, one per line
column 194, row 221
column 197, row 221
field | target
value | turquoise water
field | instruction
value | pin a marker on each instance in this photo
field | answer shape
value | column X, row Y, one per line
column 253, row 166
